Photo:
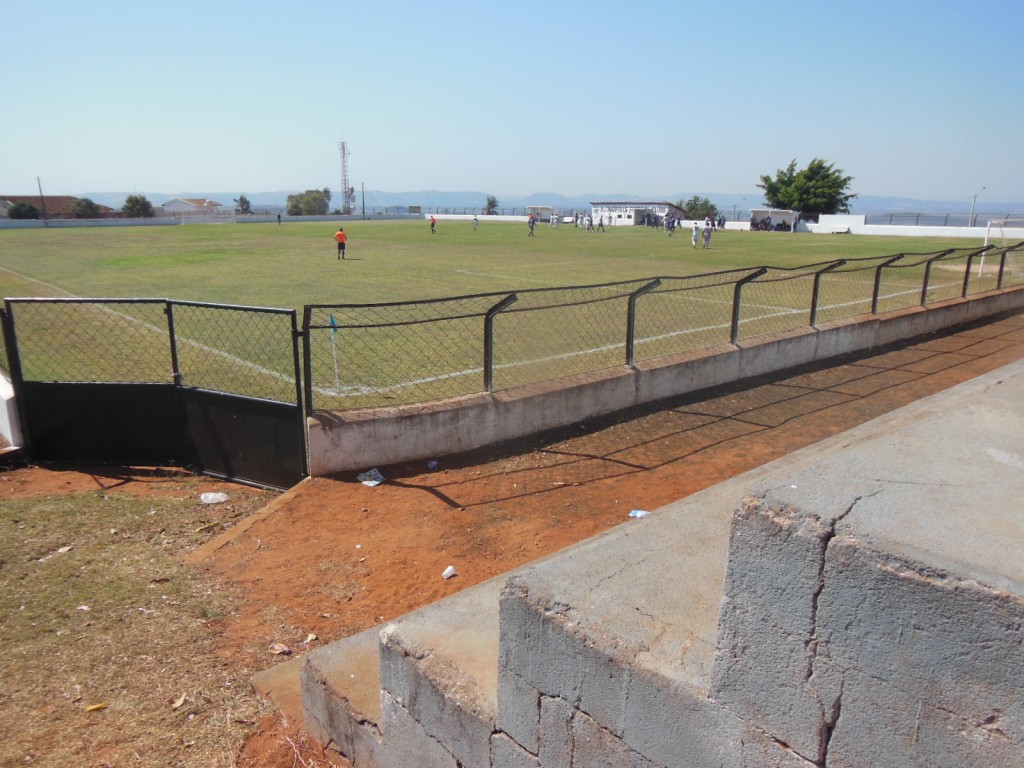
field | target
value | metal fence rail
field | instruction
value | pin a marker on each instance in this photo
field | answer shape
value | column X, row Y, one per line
column 372, row 355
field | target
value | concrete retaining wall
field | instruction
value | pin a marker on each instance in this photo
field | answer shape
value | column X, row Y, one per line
column 857, row 603
column 340, row 441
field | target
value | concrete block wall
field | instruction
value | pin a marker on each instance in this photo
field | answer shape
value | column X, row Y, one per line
column 857, row 603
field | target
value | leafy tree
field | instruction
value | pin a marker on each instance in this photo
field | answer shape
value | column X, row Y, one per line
column 242, row 205
column 491, row 208
column 84, row 208
column 23, row 211
column 819, row 188
column 698, row 208
column 137, row 207
column 312, row 202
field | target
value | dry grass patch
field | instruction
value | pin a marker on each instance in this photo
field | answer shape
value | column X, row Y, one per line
column 108, row 653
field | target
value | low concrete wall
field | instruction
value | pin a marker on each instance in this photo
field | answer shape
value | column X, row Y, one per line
column 341, row 441
column 855, row 225
column 10, row 425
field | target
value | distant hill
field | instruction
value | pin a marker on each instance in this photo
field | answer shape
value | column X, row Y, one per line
column 432, row 198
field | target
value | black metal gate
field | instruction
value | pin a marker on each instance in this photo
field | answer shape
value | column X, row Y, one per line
column 150, row 381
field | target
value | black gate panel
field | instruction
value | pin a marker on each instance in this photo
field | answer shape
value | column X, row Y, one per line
column 242, row 438
column 214, row 387
column 102, row 423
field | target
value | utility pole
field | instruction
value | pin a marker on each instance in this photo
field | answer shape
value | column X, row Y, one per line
column 42, row 200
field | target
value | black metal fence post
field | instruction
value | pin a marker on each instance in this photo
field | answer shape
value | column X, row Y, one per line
column 489, row 339
column 307, row 358
column 878, row 281
column 173, row 339
column 967, row 270
column 817, row 287
column 734, row 329
column 928, row 274
column 631, row 317
column 1002, row 268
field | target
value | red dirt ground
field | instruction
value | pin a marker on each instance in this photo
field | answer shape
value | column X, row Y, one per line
column 332, row 556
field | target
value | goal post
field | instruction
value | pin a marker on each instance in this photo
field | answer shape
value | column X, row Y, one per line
column 1003, row 231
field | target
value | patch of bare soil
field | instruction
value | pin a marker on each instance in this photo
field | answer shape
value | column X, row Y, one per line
column 334, row 557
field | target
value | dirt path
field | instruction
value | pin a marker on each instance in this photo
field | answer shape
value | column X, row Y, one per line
column 333, row 556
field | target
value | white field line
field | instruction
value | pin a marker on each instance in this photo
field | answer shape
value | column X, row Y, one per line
column 248, row 364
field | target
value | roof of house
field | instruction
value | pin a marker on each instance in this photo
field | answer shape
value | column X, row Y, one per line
column 56, row 206
column 198, row 202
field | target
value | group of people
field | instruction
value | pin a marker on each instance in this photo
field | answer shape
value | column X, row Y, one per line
column 586, row 222
column 765, row 225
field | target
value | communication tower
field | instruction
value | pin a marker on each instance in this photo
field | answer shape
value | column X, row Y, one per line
column 348, row 192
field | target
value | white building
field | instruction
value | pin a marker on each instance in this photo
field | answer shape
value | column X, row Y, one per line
column 633, row 213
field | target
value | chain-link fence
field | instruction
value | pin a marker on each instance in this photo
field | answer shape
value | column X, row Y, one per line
column 360, row 356
column 371, row 355
column 240, row 350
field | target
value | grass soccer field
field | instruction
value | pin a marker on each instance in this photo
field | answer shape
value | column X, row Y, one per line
column 294, row 264
column 569, row 314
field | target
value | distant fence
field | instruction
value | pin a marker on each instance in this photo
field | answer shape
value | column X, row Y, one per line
column 371, row 355
column 921, row 219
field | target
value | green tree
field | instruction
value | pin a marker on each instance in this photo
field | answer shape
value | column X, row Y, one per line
column 23, row 211
column 84, row 208
column 312, row 202
column 137, row 207
column 698, row 208
column 242, row 205
column 491, row 208
column 819, row 188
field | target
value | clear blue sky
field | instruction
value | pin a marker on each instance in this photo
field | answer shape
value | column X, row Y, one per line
column 649, row 97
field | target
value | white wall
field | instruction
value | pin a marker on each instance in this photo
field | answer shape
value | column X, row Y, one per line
column 854, row 223
column 10, row 427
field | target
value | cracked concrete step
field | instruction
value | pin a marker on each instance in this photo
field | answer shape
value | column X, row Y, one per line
column 424, row 684
column 882, row 573
column 618, row 634
column 439, row 667
column 341, row 696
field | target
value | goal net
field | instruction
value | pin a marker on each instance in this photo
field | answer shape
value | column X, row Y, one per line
column 1003, row 232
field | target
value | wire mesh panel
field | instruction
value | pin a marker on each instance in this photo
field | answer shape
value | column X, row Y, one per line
column 683, row 314
column 777, row 301
column 240, row 350
column 1013, row 271
column 946, row 276
column 94, row 340
column 901, row 282
column 846, row 290
column 553, row 333
column 387, row 354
